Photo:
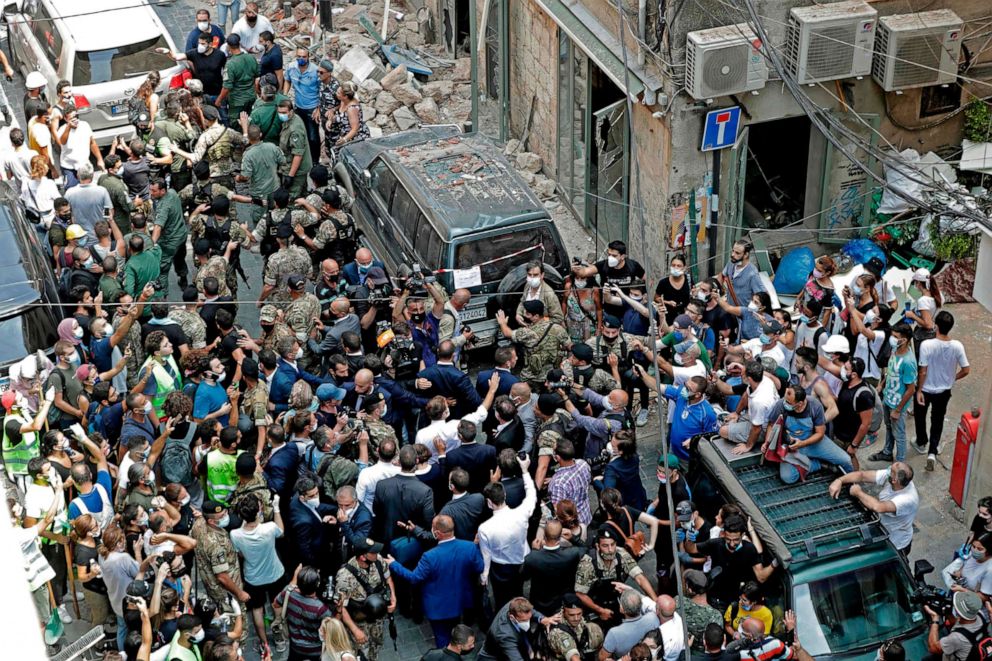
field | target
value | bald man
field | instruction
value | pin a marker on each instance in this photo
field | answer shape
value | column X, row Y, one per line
column 329, row 286
column 363, row 386
column 525, row 400
column 672, row 634
column 757, row 644
column 342, row 320
column 613, row 417
column 451, row 326
column 355, row 272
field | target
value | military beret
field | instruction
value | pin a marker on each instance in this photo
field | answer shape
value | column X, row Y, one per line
column 212, row 507
column 373, row 400
column 210, row 113
column 609, row 321
column 548, row 403
column 284, row 231
column 582, row 351
column 607, row 532
column 367, row 545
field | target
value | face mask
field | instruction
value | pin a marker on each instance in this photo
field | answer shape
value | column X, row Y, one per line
column 201, row 48
column 612, row 261
column 685, row 393
column 220, row 377
column 869, row 318
column 978, row 555
column 581, row 284
column 856, row 290
column 679, row 360
column 364, row 268
column 662, row 479
column 701, row 296
column 610, row 340
column 764, row 339
column 147, row 408
column 302, row 61
column 894, row 343
column 679, row 336
column 108, row 329
column 66, row 217
column 298, row 354
column 78, row 332
column 185, row 501
column 524, row 626
column 224, row 521
column 804, row 319
column 202, row 26
column 733, row 549
column 533, row 283
column 746, row 607
column 753, row 307
column 788, row 407
column 844, row 374
column 677, row 273
column 418, row 317
column 313, row 503
column 198, row 636
column 817, row 273
column 143, row 521
column 283, row 118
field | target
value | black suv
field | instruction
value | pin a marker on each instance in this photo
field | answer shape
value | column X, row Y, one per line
column 452, row 203
column 29, row 300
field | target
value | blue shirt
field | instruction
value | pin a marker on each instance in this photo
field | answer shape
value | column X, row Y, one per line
column 100, row 350
column 209, row 398
column 194, row 36
column 688, row 420
column 633, row 322
column 746, row 284
column 271, row 61
column 306, row 85
column 93, row 500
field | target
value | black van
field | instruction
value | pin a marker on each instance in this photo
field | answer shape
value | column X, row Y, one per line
column 29, row 299
column 452, row 203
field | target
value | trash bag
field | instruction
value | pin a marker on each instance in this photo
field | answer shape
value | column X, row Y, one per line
column 861, row 250
column 793, row 270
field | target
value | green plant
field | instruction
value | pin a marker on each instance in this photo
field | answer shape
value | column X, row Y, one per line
column 978, row 121
column 950, row 246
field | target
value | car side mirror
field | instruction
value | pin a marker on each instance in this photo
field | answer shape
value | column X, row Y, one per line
column 921, row 568
column 367, row 176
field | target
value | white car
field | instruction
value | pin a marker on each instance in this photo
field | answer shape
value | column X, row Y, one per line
column 104, row 48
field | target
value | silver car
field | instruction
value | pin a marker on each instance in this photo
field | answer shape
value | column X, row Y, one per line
column 105, row 48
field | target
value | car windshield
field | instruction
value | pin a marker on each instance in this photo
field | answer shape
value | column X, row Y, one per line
column 500, row 251
column 27, row 332
column 129, row 61
column 857, row 609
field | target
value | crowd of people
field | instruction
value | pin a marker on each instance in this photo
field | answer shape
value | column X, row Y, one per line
column 309, row 483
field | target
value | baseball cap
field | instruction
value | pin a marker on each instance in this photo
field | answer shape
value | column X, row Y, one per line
column 284, row 231
column 696, row 580
column 875, row 266
column 249, row 368
column 8, row 399
column 682, row 321
column 367, row 545
column 377, row 275
column 328, row 391
column 837, row 344
column 548, row 403
column 669, row 460
column 268, row 314
column 684, row 510
column 771, row 327
column 296, row 282
column 921, row 275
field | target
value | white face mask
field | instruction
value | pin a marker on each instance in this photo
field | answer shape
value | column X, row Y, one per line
column 612, row 261
column 524, row 626
column 844, row 375
column 313, row 503
column 580, row 283
column 202, row 26
column 185, row 501
column 148, row 408
column 108, row 330
column 533, row 283
column 201, row 48
column 299, row 354
column 677, row 273
column 77, row 332
column 752, row 306
column 198, row 636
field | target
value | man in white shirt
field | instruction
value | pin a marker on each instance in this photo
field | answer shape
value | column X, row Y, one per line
column 90, row 203
column 249, row 27
column 759, row 399
column 897, row 502
column 872, row 331
column 44, row 487
column 371, row 476
column 942, row 363
column 766, row 344
column 77, row 143
column 447, row 430
column 672, row 633
column 503, row 539
column 17, row 160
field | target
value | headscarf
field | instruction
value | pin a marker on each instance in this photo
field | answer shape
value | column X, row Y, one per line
column 65, row 331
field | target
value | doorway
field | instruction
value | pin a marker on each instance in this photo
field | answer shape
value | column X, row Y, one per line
column 775, row 177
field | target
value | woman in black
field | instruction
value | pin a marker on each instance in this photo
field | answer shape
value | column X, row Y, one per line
column 614, row 513
column 85, row 530
column 674, row 290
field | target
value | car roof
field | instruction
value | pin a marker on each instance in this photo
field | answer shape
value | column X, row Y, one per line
column 463, row 182
column 101, row 24
column 18, row 286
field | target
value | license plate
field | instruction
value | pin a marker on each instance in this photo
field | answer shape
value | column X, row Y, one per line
column 474, row 314
column 119, row 109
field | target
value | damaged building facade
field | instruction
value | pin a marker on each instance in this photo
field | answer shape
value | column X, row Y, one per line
column 555, row 71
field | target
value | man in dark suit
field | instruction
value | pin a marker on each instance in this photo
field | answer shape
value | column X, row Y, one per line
column 449, row 574
column 467, row 510
column 288, row 372
column 479, row 461
column 450, row 382
column 505, row 358
column 282, row 468
column 213, row 302
column 354, row 519
column 309, row 529
column 509, row 430
column 551, row 569
column 525, row 401
column 356, row 272
column 511, row 477
column 507, row 639
column 402, row 511
column 364, row 385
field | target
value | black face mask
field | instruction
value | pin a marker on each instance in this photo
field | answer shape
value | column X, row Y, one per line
column 610, row 340
column 66, row 217
column 267, row 328
column 418, row 317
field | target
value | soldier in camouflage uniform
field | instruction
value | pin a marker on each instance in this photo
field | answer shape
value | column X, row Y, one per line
column 694, row 608
column 320, row 177
column 220, row 146
column 302, row 310
column 204, row 190
column 221, row 228
column 209, row 265
column 361, row 577
column 375, row 407
column 288, row 260
column 544, row 341
column 252, row 484
column 267, row 227
column 553, row 425
column 190, row 320
column 613, row 340
column 578, row 369
column 336, row 236
column 605, row 564
column 216, row 555
column 573, row 635
column 273, row 327
column 132, row 339
column 254, row 407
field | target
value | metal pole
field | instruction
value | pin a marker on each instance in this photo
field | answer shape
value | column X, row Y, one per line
column 474, row 54
column 714, row 208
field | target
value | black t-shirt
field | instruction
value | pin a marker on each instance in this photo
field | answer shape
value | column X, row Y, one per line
column 737, row 566
column 978, row 526
column 848, row 418
column 668, row 292
column 621, row 276
column 209, row 69
column 679, row 493
column 172, row 331
column 719, row 320
column 225, row 352
column 86, row 556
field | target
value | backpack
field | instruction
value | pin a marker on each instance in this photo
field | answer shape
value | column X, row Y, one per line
column 981, row 641
column 177, row 462
column 335, row 472
column 135, row 108
column 877, row 412
column 884, row 352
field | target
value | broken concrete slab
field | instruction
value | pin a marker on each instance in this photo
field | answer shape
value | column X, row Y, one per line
column 369, row 90
column 386, row 103
column 361, row 67
column 395, row 77
column 407, row 94
column 428, row 111
column 439, row 90
column 404, row 118
column 529, row 162
column 512, row 147
column 544, row 187
column 462, row 71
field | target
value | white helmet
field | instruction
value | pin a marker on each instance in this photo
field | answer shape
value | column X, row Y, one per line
column 35, row 80
column 837, row 344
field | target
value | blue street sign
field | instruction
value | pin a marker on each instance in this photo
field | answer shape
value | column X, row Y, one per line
column 720, row 129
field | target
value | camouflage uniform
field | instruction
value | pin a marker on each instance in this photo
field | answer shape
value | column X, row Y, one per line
column 550, row 432
column 218, row 145
column 544, row 354
column 564, row 640
column 202, row 226
column 192, row 324
column 255, row 487
column 601, row 348
column 302, row 313
column 284, row 263
column 133, row 340
column 696, row 618
column 195, row 194
column 599, row 380
column 379, row 431
column 279, row 331
column 216, row 555
column 296, row 217
column 215, row 267
column 599, row 587
column 255, row 404
column 335, row 237
column 347, row 587
column 316, row 201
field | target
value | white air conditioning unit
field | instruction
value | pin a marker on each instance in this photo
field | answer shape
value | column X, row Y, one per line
column 723, row 61
column 829, row 42
column 917, row 50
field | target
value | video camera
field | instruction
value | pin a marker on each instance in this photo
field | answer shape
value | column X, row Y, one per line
column 927, row 595
column 413, row 279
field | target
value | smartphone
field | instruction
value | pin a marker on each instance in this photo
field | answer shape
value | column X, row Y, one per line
column 77, row 429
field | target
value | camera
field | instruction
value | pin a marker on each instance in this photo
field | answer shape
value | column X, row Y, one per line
column 598, row 463
column 937, row 599
column 561, row 384
column 156, row 285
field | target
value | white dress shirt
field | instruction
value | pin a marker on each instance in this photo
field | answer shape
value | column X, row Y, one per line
column 448, row 431
column 503, row 538
column 371, row 476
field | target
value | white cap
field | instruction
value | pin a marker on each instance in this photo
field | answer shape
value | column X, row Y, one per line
column 921, row 275
column 35, row 80
column 837, row 344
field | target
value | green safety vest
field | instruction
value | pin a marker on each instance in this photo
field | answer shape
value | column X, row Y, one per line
column 165, row 381
column 222, row 475
column 16, row 457
column 177, row 651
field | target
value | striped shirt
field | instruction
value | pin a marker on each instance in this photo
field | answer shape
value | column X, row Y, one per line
column 303, row 617
column 769, row 649
column 572, row 483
